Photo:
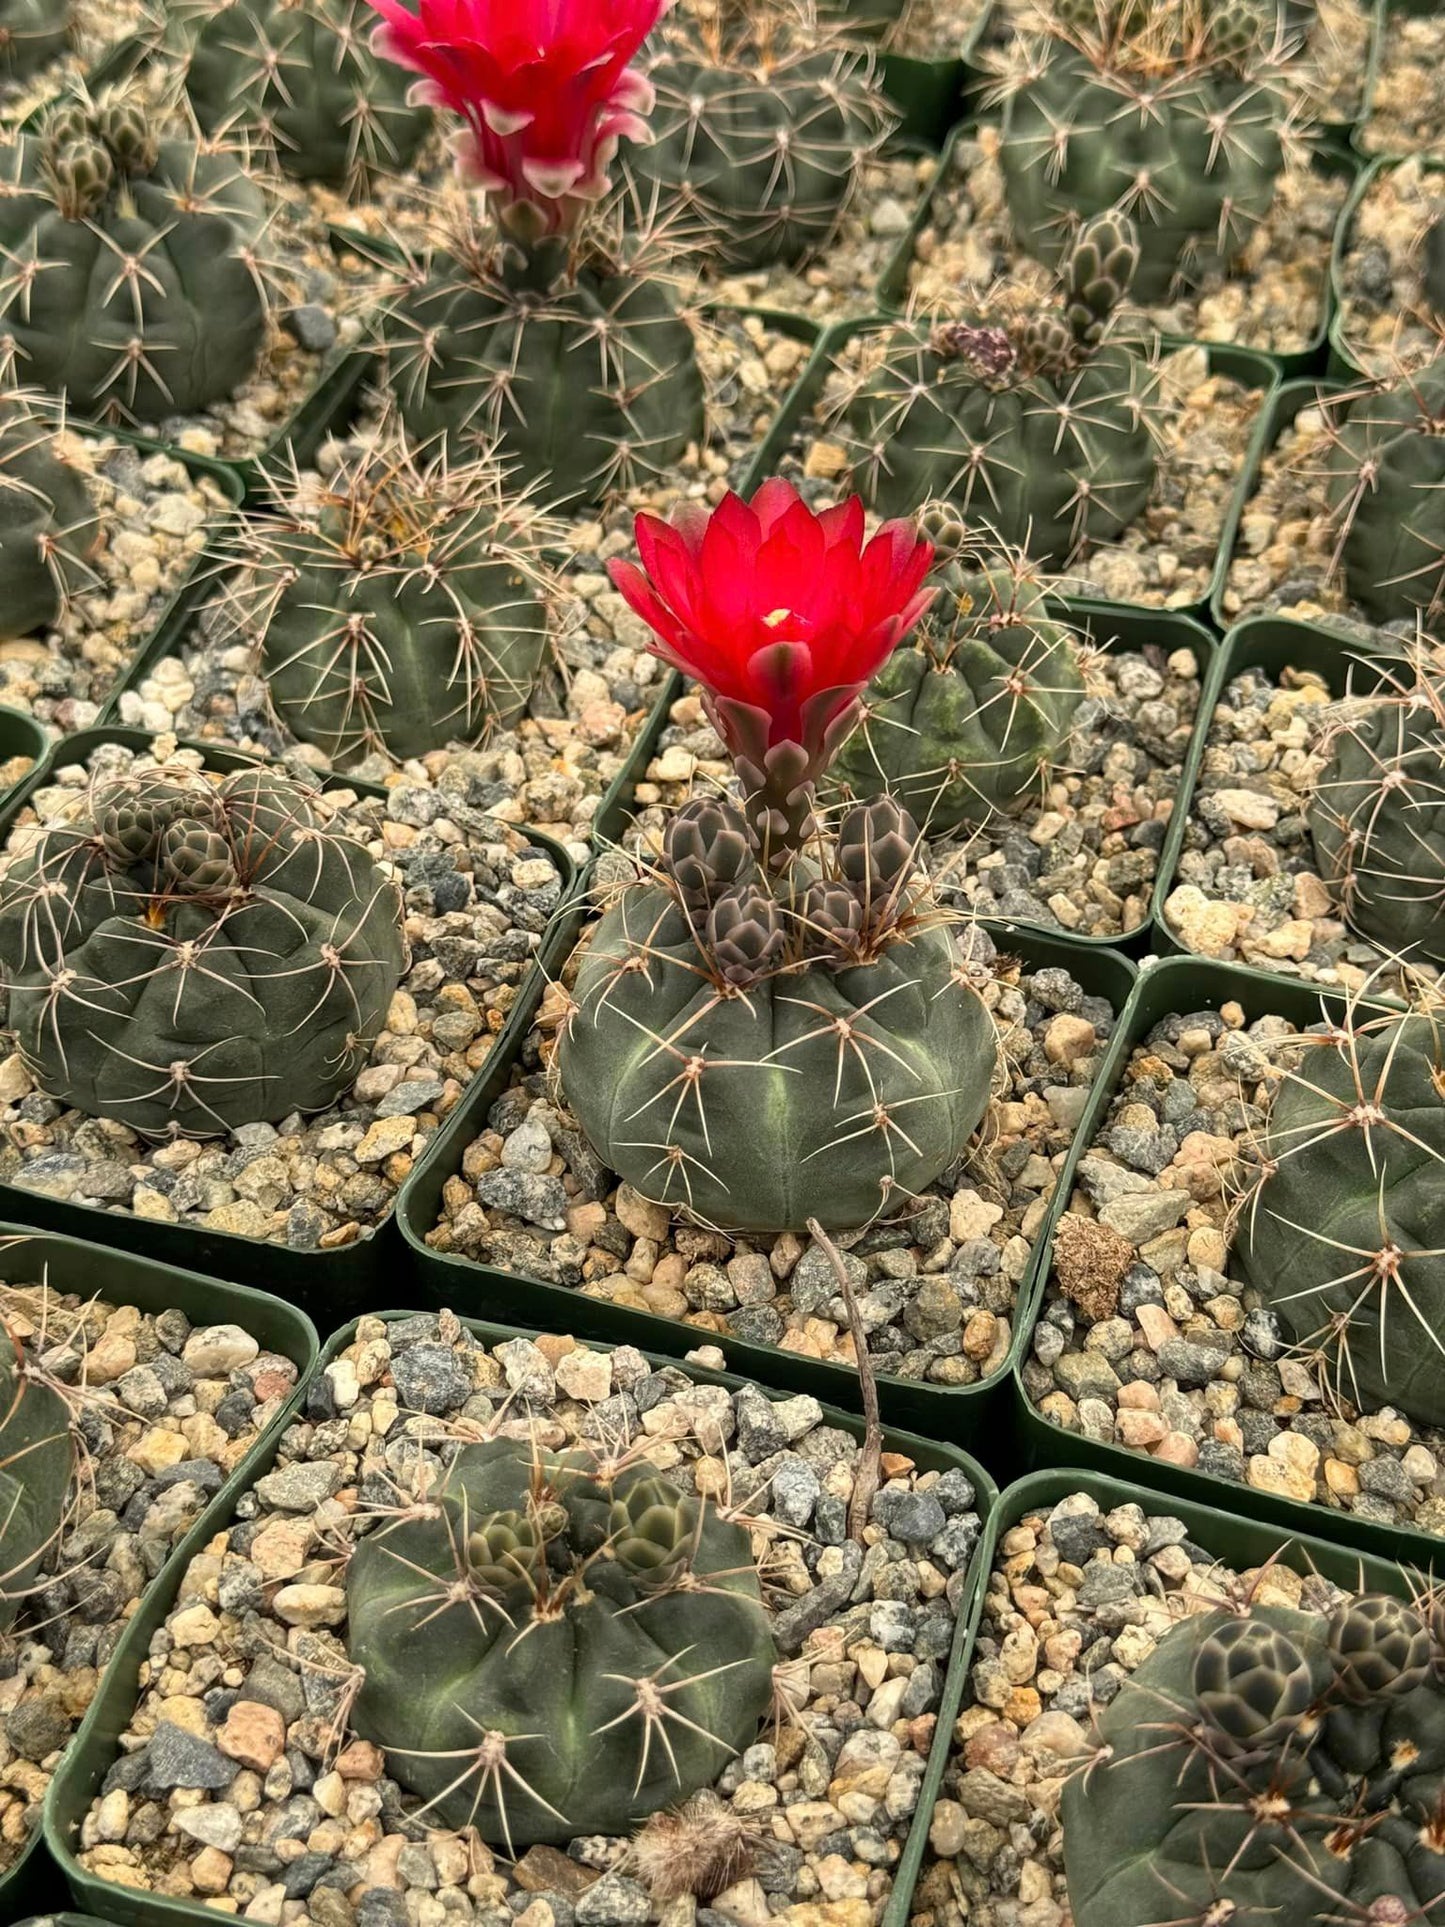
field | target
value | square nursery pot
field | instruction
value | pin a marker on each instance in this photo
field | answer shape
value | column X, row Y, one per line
column 1343, row 365
column 1273, row 644
column 20, row 735
column 931, row 95
column 88, row 1270
column 964, row 1414
column 349, row 1278
column 96, row 1745
column 1178, row 986
column 1243, row 365
column 1385, row 12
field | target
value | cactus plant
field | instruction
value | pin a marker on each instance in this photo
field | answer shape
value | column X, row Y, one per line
column 776, row 1026
column 761, row 126
column 1038, row 423
column 133, row 282
column 545, row 335
column 973, row 715
column 1376, row 809
column 32, row 34
column 48, row 524
column 401, row 606
column 1340, row 1233
column 186, row 956
column 554, row 1645
column 301, row 83
column 1384, row 474
column 36, row 1460
column 1272, row 1765
column 1174, row 112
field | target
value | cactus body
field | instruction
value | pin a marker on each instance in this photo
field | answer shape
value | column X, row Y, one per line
column 552, row 1648
column 302, row 83
column 36, row 1459
column 184, row 957
column 48, row 525
column 581, row 375
column 968, row 717
column 32, row 34
column 133, row 286
column 1385, row 483
column 1169, row 112
column 1282, row 1765
column 1341, row 1234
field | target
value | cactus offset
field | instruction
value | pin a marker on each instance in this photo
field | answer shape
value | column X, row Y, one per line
column 1269, row 1765
column 1340, row 1234
column 1037, row 423
column 32, row 34
column 761, row 126
column 300, row 83
column 36, row 1461
column 969, row 717
column 401, row 606
column 188, row 957
column 48, row 524
column 1384, row 473
column 1174, row 112
column 555, row 1645
column 132, row 280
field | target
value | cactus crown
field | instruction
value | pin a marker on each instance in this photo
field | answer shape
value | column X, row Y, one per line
column 556, row 1644
column 400, row 605
column 1269, row 1763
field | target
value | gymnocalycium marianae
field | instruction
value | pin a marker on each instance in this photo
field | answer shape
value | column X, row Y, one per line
column 1340, row 1231
column 1376, row 808
column 556, row 1644
column 48, row 525
column 1040, row 424
column 763, row 122
column 551, row 338
column 1269, row 1765
column 32, row 34
column 37, row 1458
column 402, row 605
column 776, row 1025
column 301, row 84
column 133, row 280
column 971, row 717
column 1384, row 471
column 187, row 956
column 1173, row 112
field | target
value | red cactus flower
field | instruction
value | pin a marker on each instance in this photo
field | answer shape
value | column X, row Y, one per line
column 543, row 85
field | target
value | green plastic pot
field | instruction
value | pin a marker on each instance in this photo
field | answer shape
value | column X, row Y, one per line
column 1273, row 644
column 1385, row 10
column 89, row 1269
column 349, row 1279
column 1344, row 364
column 1238, row 364
column 20, row 735
column 1176, row 986
column 961, row 1413
column 97, row 1743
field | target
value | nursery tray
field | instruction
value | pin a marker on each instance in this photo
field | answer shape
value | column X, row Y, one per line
column 1343, row 365
column 962, row 1413
column 89, row 1270
column 350, row 1278
column 1384, row 10
column 1274, row 644
column 97, row 1742
column 1175, row 987
column 1237, row 364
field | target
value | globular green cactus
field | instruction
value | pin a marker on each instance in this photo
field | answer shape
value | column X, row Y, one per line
column 968, row 716
column 1385, row 484
column 48, row 524
column 1376, row 810
column 36, row 1461
column 402, row 606
column 555, row 1645
column 1340, row 1234
column 759, row 1053
column 32, row 34
column 1040, row 424
column 132, row 278
column 1174, row 112
column 568, row 358
column 189, row 956
column 1270, row 1765
column 299, row 83
column 759, row 133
